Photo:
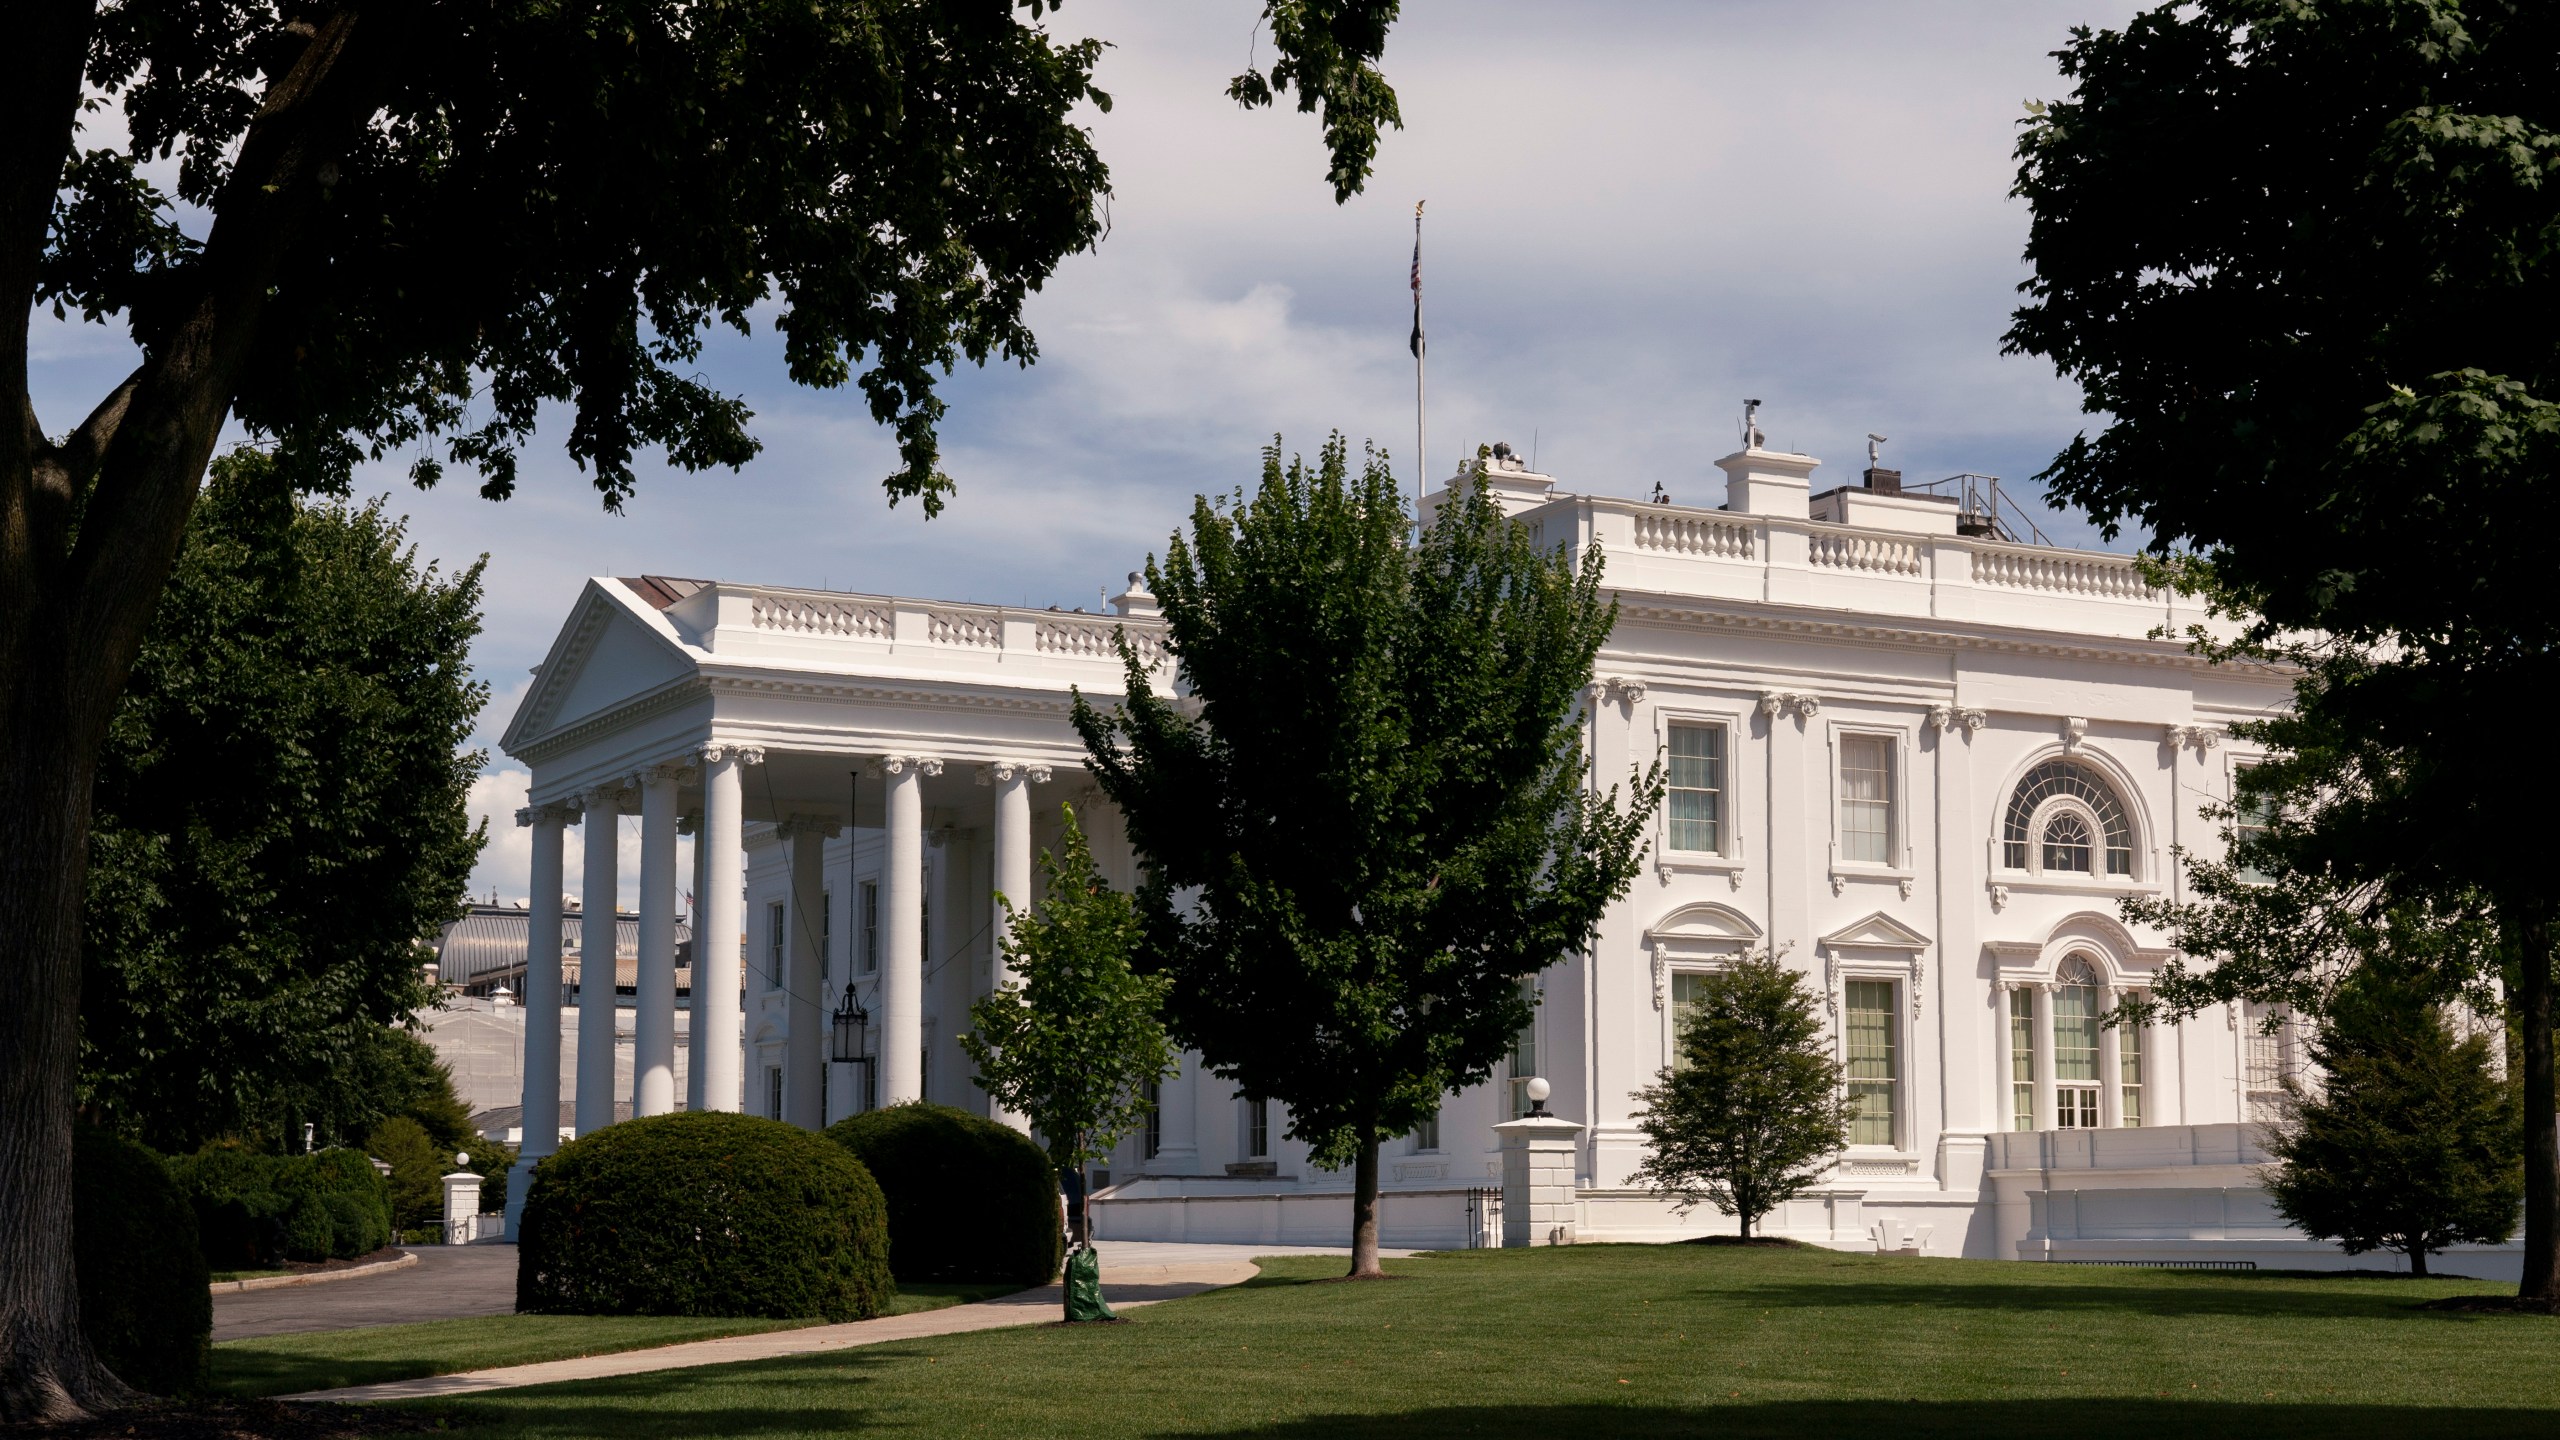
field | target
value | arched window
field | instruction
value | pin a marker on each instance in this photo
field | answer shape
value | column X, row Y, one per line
column 2075, row 1046
column 2064, row 818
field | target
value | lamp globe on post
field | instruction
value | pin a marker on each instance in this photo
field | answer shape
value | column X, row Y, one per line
column 1539, row 1090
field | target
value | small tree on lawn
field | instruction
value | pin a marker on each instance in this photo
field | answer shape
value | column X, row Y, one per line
column 1075, row 1043
column 1374, row 798
column 1751, row 1112
column 2411, row 1141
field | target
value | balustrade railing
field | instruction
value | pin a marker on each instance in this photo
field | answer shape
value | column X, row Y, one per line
column 802, row 615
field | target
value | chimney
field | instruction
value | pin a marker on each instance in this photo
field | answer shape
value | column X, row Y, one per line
column 1767, row 482
column 1884, row 482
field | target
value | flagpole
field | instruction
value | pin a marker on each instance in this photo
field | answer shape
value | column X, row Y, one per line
column 1421, row 429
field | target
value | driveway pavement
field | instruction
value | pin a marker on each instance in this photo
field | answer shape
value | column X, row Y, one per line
column 449, row 1281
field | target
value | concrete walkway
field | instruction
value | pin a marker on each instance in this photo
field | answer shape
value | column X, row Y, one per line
column 1134, row 1274
column 448, row 1282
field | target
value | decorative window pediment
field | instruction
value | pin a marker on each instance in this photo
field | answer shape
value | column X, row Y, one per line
column 1876, row 932
column 1703, row 929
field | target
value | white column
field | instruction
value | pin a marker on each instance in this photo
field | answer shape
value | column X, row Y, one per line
column 902, row 969
column 2045, row 1114
column 653, row 1021
column 804, row 1066
column 541, row 996
column 693, row 999
column 598, row 939
column 1012, row 855
column 1178, row 1120
column 716, row 1054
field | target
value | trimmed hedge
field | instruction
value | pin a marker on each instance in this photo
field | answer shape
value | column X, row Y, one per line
column 254, row 1212
column 969, row 1198
column 704, row 1213
column 143, row 1300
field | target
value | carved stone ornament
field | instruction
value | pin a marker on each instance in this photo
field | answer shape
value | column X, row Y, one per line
column 1942, row 717
column 1771, row 702
column 1999, row 898
column 1974, row 720
column 1906, row 887
column 716, row 751
column 1629, row 693
column 1040, row 774
column 561, row 812
column 927, row 766
column 2074, row 730
column 669, row 771
column 2202, row 737
column 1839, row 883
column 1661, row 973
column 1807, row 706
column 999, row 773
column 1919, row 977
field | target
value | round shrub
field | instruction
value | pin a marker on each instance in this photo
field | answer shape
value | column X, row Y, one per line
column 143, row 1301
column 704, row 1213
column 969, row 1198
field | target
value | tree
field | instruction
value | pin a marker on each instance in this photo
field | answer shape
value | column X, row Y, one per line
column 2408, row 1141
column 1372, row 802
column 398, row 231
column 1075, row 1044
column 1752, row 1111
column 281, row 826
column 417, row 1172
column 2284, row 245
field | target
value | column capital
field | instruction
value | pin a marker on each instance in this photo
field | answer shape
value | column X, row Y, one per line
column 1039, row 774
column 671, row 772
column 900, row 764
column 715, row 751
column 828, row 826
column 557, row 813
column 1000, row 772
column 606, row 797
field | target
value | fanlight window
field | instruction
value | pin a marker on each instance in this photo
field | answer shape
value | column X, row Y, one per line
column 2060, row 837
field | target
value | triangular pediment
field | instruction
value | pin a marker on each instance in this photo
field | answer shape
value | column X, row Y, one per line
column 606, row 655
column 1877, row 932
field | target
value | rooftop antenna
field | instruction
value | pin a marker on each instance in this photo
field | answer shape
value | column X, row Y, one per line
column 1751, row 436
column 1874, row 445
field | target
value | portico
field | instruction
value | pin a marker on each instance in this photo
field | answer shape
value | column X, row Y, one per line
column 766, row 720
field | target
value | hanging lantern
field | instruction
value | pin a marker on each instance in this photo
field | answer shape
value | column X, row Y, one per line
column 852, row 1021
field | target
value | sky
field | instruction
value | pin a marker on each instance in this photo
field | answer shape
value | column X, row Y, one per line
column 1638, row 214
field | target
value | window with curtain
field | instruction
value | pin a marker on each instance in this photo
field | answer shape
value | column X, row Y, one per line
column 2075, row 1047
column 2113, row 843
column 1426, row 1135
column 1523, row 1064
column 870, row 927
column 1686, row 986
column 2129, row 1073
column 1696, row 788
column 2066, row 844
column 1872, row 1073
column 777, row 939
column 1866, row 799
column 2022, row 1060
column 2249, row 821
column 1257, row 1129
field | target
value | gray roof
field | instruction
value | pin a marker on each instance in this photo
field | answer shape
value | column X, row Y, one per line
column 491, row 940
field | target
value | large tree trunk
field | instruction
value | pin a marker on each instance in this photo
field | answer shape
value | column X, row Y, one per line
column 2529, row 923
column 2418, row 1261
column 1364, row 1210
column 89, row 530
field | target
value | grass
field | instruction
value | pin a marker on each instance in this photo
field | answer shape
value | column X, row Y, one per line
column 1649, row 1341
column 328, row 1359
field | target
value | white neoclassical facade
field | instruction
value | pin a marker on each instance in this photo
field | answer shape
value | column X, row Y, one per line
column 1921, row 761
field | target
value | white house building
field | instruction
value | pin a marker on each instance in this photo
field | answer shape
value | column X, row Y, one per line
column 1920, row 759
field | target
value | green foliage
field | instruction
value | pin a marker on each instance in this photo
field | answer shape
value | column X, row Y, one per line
column 1074, row 1044
column 280, row 824
column 968, row 1198
column 1328, row 50
column 1753, row 1112
column 1380, row 801
column 418, row 1166
column 704, row 1213
column 143, row 1302
column 254, row 1212
column 2411, row 1140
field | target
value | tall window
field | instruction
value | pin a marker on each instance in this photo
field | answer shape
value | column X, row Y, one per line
column 1697, row 788
column 1524, row 1053
column 1866, row 798
column 2022, row 1059
column 777, row 935
column 1871, row 1061
column 2274, row 1050
column 2129, row 1073
column 2251, row 817
column 870, row 927
column 773, row 1092
column 826, row 933
column 1686, row 987
column 1155, row 1119
column 1257, row 1129
column 2031, row 826
column 2075, row 1047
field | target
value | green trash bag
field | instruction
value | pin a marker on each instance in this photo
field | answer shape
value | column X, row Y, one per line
column 1084, row 1287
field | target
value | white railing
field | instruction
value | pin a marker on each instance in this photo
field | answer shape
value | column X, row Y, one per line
column 1712, row 538
column 962, row 628
column 1093, row 640
column 2059, row 573
column 1857, row 550
column 796, row 614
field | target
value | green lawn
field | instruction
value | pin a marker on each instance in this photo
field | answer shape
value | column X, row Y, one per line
column 1651, row 1341
column 326, row 1359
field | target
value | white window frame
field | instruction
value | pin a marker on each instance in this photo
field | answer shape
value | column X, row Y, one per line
column 1892, row 964
column 1246, row 1140
column 1898, row 1037
column 867, row 895
column 1897, row 864
column 1728, row 858
column 777, row 943
column 2000, row 877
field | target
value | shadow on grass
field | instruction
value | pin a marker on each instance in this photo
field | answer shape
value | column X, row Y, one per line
column 243, row 1373
column 2295, row 1298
